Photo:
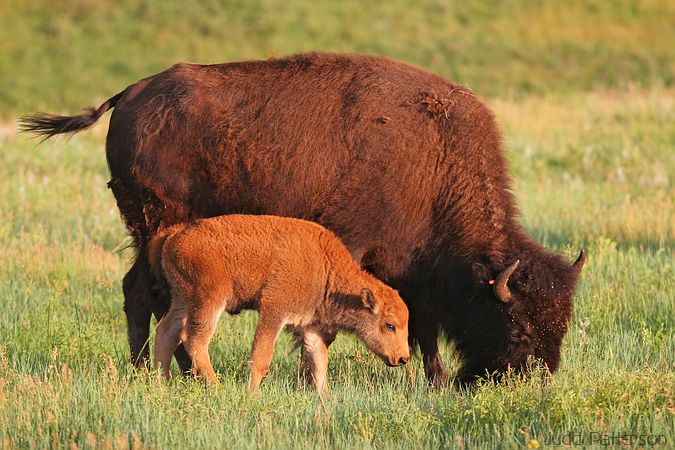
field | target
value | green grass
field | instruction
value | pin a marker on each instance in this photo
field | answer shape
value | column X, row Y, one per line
column 583, row 92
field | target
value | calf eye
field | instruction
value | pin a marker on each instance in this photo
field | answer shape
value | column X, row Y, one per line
column 390, row 327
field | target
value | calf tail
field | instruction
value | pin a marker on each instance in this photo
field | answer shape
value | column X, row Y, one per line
column 155, row 248
column 48, row 125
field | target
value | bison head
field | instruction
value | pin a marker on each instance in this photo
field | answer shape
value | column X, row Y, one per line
column 515, row 313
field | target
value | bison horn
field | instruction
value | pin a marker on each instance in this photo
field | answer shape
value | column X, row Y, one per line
column 501, row 290
column 579, row 263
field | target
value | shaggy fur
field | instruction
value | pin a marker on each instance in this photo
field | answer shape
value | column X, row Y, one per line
column 293, row 272
column 404, row 166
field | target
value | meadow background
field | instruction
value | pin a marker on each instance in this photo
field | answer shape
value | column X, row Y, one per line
column 584, row 94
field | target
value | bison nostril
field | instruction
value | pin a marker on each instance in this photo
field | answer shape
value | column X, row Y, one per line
column 402, row 361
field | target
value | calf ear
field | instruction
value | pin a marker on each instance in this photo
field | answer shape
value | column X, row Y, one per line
column 369, row 301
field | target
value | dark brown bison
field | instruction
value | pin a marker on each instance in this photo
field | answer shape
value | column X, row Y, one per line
column 405, row 166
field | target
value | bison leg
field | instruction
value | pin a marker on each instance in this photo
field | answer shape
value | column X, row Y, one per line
column 138, row 315
column 139, row 306
column 426, row 336
column 433, row 364
column 423, row 331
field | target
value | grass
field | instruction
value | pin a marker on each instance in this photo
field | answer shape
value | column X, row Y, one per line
column 584, row 95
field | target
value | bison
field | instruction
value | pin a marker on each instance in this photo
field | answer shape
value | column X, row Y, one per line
column 293, row 272
column 406, row 167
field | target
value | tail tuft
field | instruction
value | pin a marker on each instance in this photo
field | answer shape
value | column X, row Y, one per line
column 48, row 125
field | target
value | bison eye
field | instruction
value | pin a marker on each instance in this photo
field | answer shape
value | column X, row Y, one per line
column 390, row 327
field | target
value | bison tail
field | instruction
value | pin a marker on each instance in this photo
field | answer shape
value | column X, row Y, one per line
column 48, row 125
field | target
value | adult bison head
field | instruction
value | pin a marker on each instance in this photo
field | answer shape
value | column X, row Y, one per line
column 517, row 312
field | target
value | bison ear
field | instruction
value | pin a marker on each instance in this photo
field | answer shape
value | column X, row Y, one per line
column 369, row 301
column 480, row 273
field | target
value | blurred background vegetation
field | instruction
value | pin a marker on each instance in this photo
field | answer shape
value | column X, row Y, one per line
column 64, row 55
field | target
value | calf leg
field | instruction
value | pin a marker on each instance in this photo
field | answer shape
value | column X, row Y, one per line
column 201, row 327
column 170, row 333
column 160, row 308
column 139, row 306
column 265, row 339
column 314, row 362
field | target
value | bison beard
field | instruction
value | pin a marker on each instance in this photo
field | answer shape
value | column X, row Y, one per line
column 405, row 166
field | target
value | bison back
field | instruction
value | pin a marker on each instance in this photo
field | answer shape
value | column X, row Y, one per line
column 365, row 146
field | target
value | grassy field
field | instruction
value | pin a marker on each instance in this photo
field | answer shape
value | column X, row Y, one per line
column 587, row 112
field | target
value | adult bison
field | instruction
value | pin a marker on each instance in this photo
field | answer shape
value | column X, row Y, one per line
column 405, row 166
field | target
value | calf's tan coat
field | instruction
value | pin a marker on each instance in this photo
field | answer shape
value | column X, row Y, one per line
column 295, row 273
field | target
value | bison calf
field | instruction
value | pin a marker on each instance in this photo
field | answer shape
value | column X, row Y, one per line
column 293, row 272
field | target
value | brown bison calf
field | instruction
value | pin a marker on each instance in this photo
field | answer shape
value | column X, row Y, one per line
column 293, row 272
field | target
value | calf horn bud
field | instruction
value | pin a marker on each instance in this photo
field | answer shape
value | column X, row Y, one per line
column 501, row 290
